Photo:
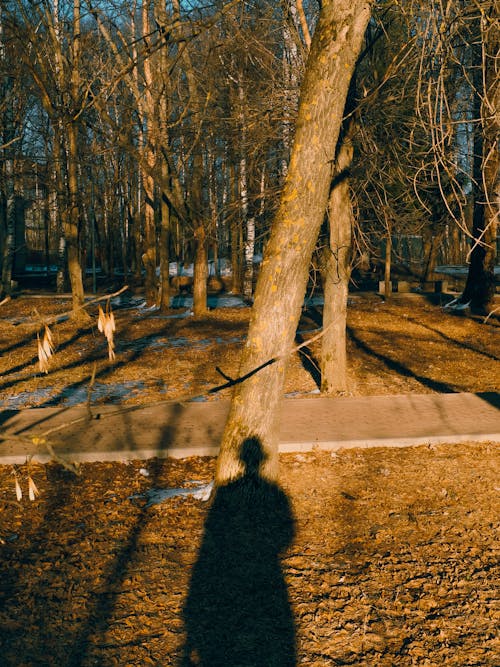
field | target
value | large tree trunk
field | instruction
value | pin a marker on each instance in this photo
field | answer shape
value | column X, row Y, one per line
column 283, row 277
column 337, row 273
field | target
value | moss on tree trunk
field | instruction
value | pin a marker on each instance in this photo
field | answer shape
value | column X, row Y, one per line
column 283, row 277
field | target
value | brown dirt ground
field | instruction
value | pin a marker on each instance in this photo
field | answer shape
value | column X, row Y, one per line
column 394, row 558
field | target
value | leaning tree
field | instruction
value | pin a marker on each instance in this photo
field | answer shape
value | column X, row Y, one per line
column 282, row 282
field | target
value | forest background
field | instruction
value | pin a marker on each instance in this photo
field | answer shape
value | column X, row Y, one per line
column 138, row 134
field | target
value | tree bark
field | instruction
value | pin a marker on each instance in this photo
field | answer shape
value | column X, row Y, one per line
column 164, row 301
column 283, row 277
column 200, row 272
column 149, row 256
column 337, row 274
column 161, row 19
column 71, row 224
column 388, row 263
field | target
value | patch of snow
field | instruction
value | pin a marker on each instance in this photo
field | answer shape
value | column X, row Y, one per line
column 70, row 396
column 39, row 268
column 293, row 394
column 127, row 300
column 149, row 309
column 111, row 393
column 315, row 300
column 26, row 398
column 200, row 491
column 456, row 305
column 213, row 301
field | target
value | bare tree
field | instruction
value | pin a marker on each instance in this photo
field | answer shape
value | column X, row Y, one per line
column 480, row 286
column 282, row 282
column 56, row 72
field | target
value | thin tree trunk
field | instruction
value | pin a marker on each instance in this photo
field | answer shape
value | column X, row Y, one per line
column 236, row 251
column 10, row 229
column 480, row 286
column 337, row 276
column 249, row 253
column 71, row 225
column 72, row 220
column 164, row 301
column 61, row 264
column 149, row 255
column 247, row 220
column 283, row 277
column 164, row 250
column 61, row 210
column 200, row 273
column 387, row 264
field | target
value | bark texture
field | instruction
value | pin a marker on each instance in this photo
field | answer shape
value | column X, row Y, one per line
column 337, row 273
column 283, row 278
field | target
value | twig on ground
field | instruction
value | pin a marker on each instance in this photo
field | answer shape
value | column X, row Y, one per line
column 490, row 314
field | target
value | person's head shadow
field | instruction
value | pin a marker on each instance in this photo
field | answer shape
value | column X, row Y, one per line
column 237, row 611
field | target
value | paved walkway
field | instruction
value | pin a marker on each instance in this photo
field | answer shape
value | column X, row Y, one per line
column 194, row 429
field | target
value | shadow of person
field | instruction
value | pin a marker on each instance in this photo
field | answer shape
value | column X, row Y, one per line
column 237, row 612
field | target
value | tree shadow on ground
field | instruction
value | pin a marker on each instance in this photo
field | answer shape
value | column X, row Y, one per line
column 453, row 341
column 309, row 362
column 78, row 642
column 399, row 368
column 237, row 611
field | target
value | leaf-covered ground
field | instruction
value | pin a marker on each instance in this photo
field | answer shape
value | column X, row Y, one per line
column 394, row 560
column 405, row 346
column 362, row 557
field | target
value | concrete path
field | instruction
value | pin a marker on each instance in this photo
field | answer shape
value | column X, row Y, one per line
column 194, row 429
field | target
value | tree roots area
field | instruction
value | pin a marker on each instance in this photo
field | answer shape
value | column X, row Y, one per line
column 375, row 557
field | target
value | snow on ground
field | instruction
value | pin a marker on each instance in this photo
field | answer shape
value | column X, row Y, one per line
column 199, row 491
column 48, row 397
column 114, row 393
